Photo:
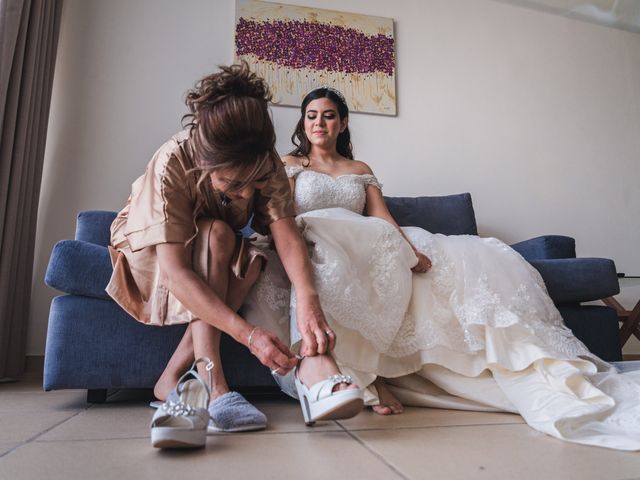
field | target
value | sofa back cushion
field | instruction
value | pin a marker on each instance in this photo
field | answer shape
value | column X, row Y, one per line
column 94, row 226
column 449, row 214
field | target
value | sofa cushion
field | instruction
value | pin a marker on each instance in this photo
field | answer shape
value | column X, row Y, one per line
column 79, row 268
column 93, row 343
column 574, row 280
column 449, row 215
column 546, row 247
column 94, row 226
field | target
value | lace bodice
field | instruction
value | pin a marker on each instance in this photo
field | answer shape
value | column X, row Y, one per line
column 316, row 190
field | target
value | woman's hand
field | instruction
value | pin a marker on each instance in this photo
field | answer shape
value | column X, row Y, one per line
column 271, row 351
column 317, row 336
column 424, row 263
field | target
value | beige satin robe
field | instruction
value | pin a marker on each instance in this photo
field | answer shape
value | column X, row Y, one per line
column 167, row 206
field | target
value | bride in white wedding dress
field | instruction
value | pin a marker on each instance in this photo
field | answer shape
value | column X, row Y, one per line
column 471, row 327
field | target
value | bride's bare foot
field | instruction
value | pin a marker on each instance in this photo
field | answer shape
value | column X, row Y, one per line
column 312, row 370
column 389, row 404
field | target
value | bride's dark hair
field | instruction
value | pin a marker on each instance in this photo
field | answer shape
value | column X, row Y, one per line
column 299, row 137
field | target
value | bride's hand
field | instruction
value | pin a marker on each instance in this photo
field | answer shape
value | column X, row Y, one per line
column 423, row 265
column 317, row 336
column 271, row 351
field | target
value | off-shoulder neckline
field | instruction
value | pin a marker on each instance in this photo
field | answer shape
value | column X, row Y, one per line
column 301, row 169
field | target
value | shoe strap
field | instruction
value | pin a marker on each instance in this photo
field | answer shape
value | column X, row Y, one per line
column 324, row 388
column 194, row 373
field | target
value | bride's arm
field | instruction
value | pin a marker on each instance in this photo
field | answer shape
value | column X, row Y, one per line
column 376, row 207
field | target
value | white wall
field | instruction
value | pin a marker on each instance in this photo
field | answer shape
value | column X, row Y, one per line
column 538, row 116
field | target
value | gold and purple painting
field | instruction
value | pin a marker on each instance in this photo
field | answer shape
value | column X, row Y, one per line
column 296, row 49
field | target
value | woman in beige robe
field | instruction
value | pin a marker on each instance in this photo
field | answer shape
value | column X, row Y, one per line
column 175, row 247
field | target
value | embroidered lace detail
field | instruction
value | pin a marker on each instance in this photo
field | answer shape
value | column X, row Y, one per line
column 270, row 293
column 362, row 271
column 477, row 283
column 268, row 300
column 315, row 190
column 365, row 284
column 369, row 294
column 293, row 170
column 371, row 180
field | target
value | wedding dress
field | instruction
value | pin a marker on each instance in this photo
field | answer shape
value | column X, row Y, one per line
column 476, row 332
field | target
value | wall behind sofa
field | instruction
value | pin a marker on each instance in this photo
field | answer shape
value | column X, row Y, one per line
column 536, row 115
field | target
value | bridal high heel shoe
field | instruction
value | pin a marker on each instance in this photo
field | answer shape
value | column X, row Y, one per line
column 181, row 421
column 320, row 402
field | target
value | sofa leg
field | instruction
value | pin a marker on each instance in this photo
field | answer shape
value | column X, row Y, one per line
column 97, row 396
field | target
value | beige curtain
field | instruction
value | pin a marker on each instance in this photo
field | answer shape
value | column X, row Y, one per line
column 28, row 42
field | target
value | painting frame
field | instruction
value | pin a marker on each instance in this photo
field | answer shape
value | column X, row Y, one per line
column 296, row 49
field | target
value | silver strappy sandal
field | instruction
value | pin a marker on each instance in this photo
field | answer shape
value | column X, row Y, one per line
column 321, row 402
column 182, row 423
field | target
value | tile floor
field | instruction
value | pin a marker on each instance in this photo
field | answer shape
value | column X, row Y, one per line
column 56, row 435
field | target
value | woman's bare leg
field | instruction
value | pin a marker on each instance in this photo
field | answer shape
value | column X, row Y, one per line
column 207, row 343
column 389, row 404
column 179, row 362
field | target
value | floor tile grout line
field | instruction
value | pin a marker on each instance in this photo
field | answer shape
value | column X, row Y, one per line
column 374, row 453
column 461, row 425
column 76, row 440
column 35, row 410
column 340, row 430
column 39, row 434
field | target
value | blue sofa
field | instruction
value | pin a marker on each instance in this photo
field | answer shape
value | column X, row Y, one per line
column 93, row 344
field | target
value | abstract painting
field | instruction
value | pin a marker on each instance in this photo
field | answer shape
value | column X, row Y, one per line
column 296, row 49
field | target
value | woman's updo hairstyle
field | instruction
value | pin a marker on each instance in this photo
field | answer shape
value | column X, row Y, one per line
column 299, row 137
column 229, row 121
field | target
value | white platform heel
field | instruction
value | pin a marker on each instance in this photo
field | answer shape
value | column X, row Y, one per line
column 182, row 423
column 320, row 402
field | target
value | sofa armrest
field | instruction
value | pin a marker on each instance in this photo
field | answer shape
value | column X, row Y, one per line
column 546, row 247
column 574, row 280
column 79, row 268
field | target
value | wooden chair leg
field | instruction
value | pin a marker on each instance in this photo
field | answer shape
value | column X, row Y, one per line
column 630, row 319
column 630, row 325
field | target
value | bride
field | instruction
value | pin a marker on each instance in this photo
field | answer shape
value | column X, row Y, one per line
column 429, row 320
